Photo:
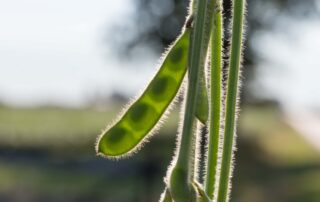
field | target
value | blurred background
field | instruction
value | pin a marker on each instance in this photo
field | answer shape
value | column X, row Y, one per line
column 68, row 67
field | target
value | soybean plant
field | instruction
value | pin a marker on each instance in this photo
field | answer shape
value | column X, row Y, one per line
column 199, row 45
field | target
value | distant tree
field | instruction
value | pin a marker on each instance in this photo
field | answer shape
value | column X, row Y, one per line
column 157, row 24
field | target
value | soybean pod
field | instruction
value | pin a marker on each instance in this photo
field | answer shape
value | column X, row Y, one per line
column 202, row 99
column 144, row 113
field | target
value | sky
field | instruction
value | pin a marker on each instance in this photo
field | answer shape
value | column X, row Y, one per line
column 289, row 68
column 56, row 52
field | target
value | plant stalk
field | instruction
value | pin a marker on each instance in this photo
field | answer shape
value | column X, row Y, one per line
column 182, row 174
column 231, row 100
column 215, row 98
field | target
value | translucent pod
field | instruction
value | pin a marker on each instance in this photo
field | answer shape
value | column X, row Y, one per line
column 146, row 111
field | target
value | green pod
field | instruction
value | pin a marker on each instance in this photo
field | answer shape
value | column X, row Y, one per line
column 144, row 113
column 202, row 110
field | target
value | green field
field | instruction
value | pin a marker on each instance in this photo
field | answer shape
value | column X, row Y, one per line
column 48, row 153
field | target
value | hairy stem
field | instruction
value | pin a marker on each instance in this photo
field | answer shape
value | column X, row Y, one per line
column 231, row 100
column 183, row 171
column 215, row 98
column 189, row 118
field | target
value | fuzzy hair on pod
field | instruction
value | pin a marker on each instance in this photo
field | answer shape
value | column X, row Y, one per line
column 155, row 128
column 145, row 140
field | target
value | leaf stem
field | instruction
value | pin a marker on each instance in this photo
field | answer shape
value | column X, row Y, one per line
column 215, row 98
column 200, row 40
column 194, row 70
column 183, row 171
column 231, row 100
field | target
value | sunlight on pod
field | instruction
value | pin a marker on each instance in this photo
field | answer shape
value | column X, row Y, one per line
column 144, row 113
column 184, row 68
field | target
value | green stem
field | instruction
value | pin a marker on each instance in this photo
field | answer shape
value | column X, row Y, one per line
column 183, row 171
column 231, row 100
column 215, row 98
column 189, row 116
column 197, row 57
